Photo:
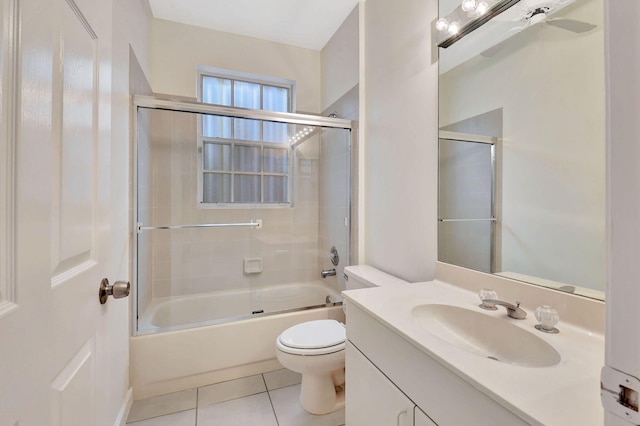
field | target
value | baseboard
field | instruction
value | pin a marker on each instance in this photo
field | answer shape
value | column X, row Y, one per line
column 164, row 387
column 121, row 420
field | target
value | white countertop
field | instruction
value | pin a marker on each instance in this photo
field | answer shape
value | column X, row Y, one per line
column 567, row 393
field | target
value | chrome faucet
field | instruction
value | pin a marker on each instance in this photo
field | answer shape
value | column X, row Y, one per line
column 328, row 273
column 514, row 311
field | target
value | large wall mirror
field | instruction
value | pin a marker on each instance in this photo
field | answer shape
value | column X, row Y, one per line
column 522, row 146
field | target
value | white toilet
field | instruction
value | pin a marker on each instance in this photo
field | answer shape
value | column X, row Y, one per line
column 316, row 348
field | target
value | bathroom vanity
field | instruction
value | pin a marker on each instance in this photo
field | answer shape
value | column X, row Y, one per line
column 426, row 354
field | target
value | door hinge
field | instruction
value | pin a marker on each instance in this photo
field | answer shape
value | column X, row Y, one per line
column 619, row 394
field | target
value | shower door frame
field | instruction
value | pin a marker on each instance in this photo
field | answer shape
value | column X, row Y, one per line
column 150, row 102
column 487, row 140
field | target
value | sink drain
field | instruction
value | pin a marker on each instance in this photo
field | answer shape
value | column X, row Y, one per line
column 493, row 358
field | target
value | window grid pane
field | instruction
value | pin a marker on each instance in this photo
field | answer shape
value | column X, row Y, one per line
column 216, row 188
column 275, row 98
column 216, row 90
column 275, row 160
column 259, row 174
column 275, row 189
column 216, row 156
column 246, row 159
column 246, row 95
column 214, row 126
column 248, row 130
column 246, row 188
column 275, row 132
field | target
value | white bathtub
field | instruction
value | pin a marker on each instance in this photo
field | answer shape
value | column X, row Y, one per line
column 178, row 312
column 200, row 346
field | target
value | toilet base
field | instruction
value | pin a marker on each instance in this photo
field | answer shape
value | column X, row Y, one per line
column 320, row 394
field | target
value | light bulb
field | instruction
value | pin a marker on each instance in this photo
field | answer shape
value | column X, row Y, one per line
column 482, row 8
column 454, row 27
column 468, row 5
column 442, row 24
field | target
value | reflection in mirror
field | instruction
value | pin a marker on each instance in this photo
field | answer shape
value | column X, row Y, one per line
column 539, row 92
column 466, row 201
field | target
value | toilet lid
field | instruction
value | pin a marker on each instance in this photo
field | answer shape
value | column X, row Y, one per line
column 314, row 334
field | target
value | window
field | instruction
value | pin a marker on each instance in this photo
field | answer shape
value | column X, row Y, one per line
column 244, row 161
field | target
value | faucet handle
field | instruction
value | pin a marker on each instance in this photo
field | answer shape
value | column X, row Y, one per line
column 548, row 318
column 485, row 295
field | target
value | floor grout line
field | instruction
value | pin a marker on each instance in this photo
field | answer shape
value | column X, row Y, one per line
column 270, row 401
column 197, row 404
column 279, row 421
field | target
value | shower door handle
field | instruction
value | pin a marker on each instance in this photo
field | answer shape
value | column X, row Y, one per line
column 118, row 290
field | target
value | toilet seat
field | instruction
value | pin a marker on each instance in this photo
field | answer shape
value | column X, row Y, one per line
column 317, row 337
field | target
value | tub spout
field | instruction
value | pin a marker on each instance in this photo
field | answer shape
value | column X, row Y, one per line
column 328, row 273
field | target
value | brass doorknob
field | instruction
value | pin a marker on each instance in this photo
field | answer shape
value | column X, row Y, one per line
column 118, row 290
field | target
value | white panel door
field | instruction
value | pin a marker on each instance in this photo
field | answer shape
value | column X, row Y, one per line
column 421, row 419
column 56, row 213
column 622, row 356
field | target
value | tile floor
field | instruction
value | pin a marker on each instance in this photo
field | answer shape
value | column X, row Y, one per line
column 269, row 399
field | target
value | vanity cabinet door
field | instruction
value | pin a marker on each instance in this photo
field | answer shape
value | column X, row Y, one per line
column 421, row 419
column 372, row 399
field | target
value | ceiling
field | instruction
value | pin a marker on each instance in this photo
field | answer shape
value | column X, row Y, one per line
column 304, row 23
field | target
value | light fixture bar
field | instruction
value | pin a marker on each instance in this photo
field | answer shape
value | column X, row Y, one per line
column 473, row 24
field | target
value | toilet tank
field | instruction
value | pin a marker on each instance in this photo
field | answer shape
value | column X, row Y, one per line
column 362, row 276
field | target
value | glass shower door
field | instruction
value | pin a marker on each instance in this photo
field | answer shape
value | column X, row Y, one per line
column 189, row 248
column 294, row 243
column 235, row 216
column 335, row 205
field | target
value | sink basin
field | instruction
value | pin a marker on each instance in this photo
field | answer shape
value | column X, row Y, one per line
column 486, row 336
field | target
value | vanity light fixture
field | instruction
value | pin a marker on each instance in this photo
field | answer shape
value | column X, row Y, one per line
column 468, row 5
column 482, row 8
column 454, row 28
column 442, row 24
column 469, row 16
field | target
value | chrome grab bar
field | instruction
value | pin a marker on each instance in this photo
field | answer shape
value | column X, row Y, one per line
column 257, row 223
column 491, row 219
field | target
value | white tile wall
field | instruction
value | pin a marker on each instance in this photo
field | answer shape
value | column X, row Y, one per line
column 196, row 261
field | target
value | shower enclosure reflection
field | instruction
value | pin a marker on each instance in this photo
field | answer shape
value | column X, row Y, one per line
column 466, row 201
column 236, row 211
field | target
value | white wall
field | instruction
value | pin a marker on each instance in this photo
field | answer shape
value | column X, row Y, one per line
column 340, row 75
column 550, row 86
column 340, row 61
column 177, row 49
column 400, row 147
column 131, row 29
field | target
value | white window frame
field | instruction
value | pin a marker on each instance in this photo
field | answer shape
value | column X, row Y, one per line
column 203, row 71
